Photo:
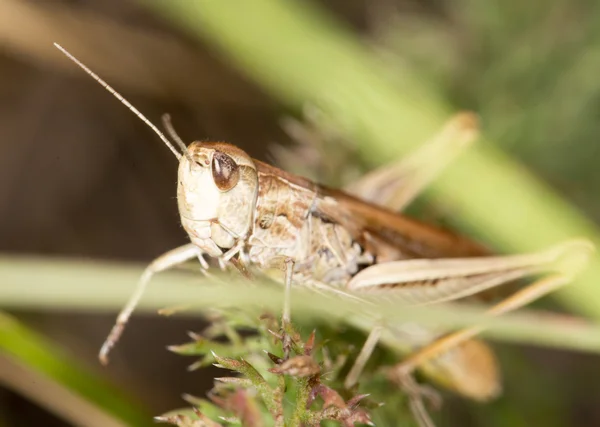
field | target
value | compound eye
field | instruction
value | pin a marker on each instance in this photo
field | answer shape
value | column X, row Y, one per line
column 225, row 172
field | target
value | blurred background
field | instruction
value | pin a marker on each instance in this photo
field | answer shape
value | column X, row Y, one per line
column 81, row 177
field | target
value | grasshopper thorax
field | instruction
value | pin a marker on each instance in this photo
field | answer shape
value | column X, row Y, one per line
column 216, row 193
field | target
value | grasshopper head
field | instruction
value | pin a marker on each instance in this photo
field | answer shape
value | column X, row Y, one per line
column 217, row 185
column 216, row 193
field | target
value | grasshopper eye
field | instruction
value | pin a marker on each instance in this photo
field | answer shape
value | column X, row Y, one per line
column 225, row 171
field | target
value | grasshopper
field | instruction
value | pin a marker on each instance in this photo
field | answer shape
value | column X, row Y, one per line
column 353, row 243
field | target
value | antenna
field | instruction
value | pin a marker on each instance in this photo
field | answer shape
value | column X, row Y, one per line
column 166, row 119
column 117, row 95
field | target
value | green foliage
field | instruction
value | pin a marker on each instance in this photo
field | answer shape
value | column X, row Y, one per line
column 298, row 391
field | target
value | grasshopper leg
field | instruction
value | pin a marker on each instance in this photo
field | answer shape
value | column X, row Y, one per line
column 164, row 262
column 402, row 372
column 363, row 356
column 429, row 281
column 396, row 185
column 515, row 301
column 413, row 390
column 287, row 307
column 416, row 392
